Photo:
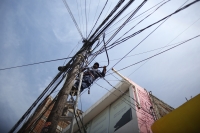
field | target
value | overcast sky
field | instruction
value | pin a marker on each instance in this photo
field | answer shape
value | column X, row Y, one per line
column 34, row 31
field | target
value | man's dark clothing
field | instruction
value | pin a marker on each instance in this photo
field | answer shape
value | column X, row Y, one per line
column 89, row 76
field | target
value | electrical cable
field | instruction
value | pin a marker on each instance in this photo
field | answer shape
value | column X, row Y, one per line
column 81, row 108
column 98, row 17
column 94, row 16
column 36, row 102
column 123, row 41
column 76, row 120
column 41, row 103
column 85, row 19
column 107, row 18
column 138, row 32
column 138, row 43
column 106, row 14
column 34, row 63
column 105, row 48
column 123, row 93
column 159, row 53
column 165, row 46
column 72, row 16
column 82, row 123
column 152, row 31
column 128, row 19
column 72, row 51
column 126, row 95
column 141, row 31
column 59, row 74
column 89, row 11
column 81, row 12
column 124, row 100
column 138, row 24
column 34, row 122
column 143, row 52
column 116, row 16
column 77, row 6
column 134, row 17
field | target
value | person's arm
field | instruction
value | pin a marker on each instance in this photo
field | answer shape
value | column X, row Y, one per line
column 85, row 72
column 83, row 69
column 103, row 73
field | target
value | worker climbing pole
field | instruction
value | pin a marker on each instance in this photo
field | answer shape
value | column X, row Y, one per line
column 76, row 65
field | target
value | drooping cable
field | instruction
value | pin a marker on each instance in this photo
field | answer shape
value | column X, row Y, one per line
column 139, row 7
column 105, row 48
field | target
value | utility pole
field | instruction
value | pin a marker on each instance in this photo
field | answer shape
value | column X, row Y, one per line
column 57, row 110
column 73, row 67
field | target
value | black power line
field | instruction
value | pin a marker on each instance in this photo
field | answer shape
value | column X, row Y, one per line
column 57, row 80
column 144, row 52
column 98, row 17
column 72, row 16
column 34, row 63
column 165, row 46
column 158, row 53
column 138, row 32
column 138, row 16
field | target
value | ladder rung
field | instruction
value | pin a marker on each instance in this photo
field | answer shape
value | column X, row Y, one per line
column 65, row 118
column 69, row 103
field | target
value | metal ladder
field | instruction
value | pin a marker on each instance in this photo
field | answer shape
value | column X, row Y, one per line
column 71, row 106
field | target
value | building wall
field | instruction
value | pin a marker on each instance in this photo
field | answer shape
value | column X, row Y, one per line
column 117, row 117
column 151, row 108
column 39, row 126
column 124, row 115
column 160, row 108
column 143, row 108
column 133, row 112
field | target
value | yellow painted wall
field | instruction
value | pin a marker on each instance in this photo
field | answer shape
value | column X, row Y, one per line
column 184, row 119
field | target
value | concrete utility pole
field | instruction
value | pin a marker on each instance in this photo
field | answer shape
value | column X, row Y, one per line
column 74, row 65
column 57, row 110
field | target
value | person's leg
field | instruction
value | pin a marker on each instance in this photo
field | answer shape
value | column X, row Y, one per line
column 84, row 86
column 75, row 87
